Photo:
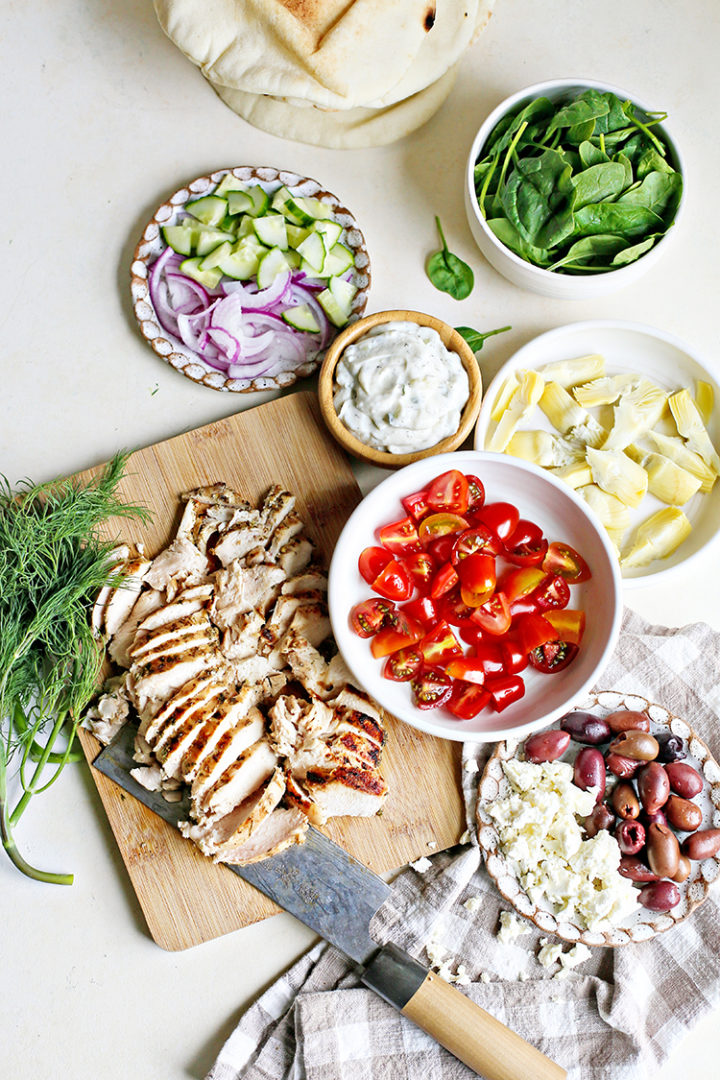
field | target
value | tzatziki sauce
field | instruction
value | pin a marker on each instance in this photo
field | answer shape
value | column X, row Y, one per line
column 398, row 389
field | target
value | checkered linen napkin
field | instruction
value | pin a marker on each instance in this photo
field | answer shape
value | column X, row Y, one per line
column 615, row 1016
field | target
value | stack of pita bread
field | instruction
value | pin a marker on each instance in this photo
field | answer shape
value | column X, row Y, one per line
column 338, row 73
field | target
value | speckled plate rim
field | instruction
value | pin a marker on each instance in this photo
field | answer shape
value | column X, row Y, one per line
column 151, row 245
column 642, row 925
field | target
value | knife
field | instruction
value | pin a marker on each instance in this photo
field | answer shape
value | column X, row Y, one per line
column 336, row 896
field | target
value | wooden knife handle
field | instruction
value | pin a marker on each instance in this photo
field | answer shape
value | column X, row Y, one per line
column 456, row 1022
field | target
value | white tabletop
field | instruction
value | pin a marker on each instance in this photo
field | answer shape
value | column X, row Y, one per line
column 102, row 118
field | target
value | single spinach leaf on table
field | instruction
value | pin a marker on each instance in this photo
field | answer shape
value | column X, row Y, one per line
column 598, row 183
column 538, row 199
column 627, row 221
column 475, row 338
column 449, row 273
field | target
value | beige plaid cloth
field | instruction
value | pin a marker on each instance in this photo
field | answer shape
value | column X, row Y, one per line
column 617, row 1015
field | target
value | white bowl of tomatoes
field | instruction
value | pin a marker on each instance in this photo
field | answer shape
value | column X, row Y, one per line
column 474, row 597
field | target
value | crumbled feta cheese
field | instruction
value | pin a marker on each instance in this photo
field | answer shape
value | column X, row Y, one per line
column 471, row 766
column 473, row 903
column 421, row 865
column 543, row 841
column 465, row 838
column 510, row 927
column 432, row 843
column 522, row 976
column 563, row 973
column 484, row 977
column 548, row 954
column 462, row 978
column 578, row 954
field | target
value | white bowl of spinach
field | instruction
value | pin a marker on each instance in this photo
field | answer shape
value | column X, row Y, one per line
column 573, row 188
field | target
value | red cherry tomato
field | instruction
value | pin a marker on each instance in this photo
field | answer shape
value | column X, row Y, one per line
column 401, row 635
column 422, row 610
column 400, row 537
column 517, row 584
column 554, row 592
column 442, row 524
column 470, row 633
column 372, row 615
column 478, row 539
column 564, row 560
column 553, row 656
column 467, row 700
column 494, row 615
column 476, row 492
column 420, row 566
column 477, row 578
column 467, row 668
column 453, row 609
column 441, row 549
column 439, row 645
column 403, row 665
column 488, row 655
column 532, row 630
column 526, row 545
column 514, row 659
column 416, row 505
column 431, row 688
column 504, row 690
column 501, row 517
column 569, row 623
column 394, row 582
column 444, row 580
column 449, row 492
column 372, row 562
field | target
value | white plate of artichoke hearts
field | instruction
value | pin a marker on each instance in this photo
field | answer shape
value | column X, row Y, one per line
column 629, row 416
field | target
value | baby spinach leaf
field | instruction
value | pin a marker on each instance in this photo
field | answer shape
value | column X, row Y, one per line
column 508, row 235
column 591, row 247
column 538, row 110
column 449, row 273
column 475, row 338
column 598, row 183
column 651, row 161
column 613, row 218
column 578, row 112
column 590, row 154
column 624, row 160
column 659, row 191
column 634, row 251
column 538, row 199
column 579, row 133
column 614, row 118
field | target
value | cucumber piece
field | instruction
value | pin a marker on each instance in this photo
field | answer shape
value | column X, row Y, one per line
column 207, row 238
column 210, row 209
column 302, row 318
column 285, row 203
column 296, row 234
column 239, row 202
column 271, row 231
column 330, row 232
column 208, row 278
column 244, row 226
column 260, row 200
column 312, row 208
column 243, row 261
column 230, row 183
column 343, row 291
column 312, row 250
column 216, row 256
column 180, row 238
column 336, row 313
column 228, row 224
column 293, row 259
column 338, row 260
column 271, row 265
column 310, row 270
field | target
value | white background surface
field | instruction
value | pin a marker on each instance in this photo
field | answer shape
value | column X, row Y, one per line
column 101, row 118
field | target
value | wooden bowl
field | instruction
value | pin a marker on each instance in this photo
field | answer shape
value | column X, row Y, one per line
column 452, row 341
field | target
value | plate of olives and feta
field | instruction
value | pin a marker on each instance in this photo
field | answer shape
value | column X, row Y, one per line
column 605, row 827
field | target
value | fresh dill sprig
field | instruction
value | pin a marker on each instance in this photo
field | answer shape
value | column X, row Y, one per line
column 53, row 563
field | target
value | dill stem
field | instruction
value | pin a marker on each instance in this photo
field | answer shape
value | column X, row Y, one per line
column 32, row 787
column 8, row 840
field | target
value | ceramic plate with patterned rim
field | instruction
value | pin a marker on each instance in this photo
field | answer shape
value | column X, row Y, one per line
column 642, row 924
column 151, row 246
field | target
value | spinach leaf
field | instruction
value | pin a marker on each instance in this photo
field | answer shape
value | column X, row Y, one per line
column 578, row 112
column 591, row 247
column 538, row 199
column 449, row 273
column 651, row 161
column 624, row 160
column 475, row 339
column 614, row 118
column 590, row 154
column 614, row 218
column 598, row 183
column 659, row 191
column 508, row 235
column 634, row 251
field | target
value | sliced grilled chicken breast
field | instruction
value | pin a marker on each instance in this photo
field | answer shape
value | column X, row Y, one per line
column 237, row 781
column 279, row 831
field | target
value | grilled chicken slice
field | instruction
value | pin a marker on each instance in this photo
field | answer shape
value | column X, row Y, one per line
column 240, row 640
column 192, row 693
column 171, row 636
column 175, row 739
column 178, row 565
column 157, row 675
column 228, row 748
column 290, row 527
column 344, row 790
column 282, row 616
column 276, row 506
column 238, row 542
column 306, row 663
column 310, row 580
column 236, row 827
column 279, row 831
column 114, row 603
column 294, row 556
column 119, row 648
column 187, row 602
column 236, row 782
column 239, row 589
column 229, row 713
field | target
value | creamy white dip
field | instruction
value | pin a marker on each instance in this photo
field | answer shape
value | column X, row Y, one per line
column 398, row 389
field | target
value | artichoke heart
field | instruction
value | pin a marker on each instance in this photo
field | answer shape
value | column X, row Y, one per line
column 568, row 373
column 704, row 400
column 568, row 417
column 603, row 391
column 657, row 537
column 522, row 401
column 667, row 481
column 674, row 448
column 575, row 475
column 616, row 473
column 690, row 425
column 504, row 397
column 613, row 513
column 637, row 411
column 545, row 449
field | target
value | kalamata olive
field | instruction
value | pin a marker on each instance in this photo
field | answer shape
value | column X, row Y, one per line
column 586, row 728
column 626, row 720
column 653, row 786
column 633, row 868
column 600, row 818
column 624, row 801
column 683, row 814
column 684, row 780
column 659, row 896
column 683, row 871
column 630, row 836
column 655, row 818
column 702, row 845
column 546, row 746
column 672, row 747
column 590, row 771
column 635, row 744
column 663, row 851
column 624, row 767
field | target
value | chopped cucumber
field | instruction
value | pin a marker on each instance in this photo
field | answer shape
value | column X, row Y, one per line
column 271, row 265
column 312, row 250
column 293, row 259
column 260, row 200
column 338, row 260
column 296, row 234
column 330, row 232
column 210, row 209
column 230, row 183
column 284, row 201
column 301, row 318
column 239, row 202
column 271, row 231
column 216, row 256
column 343, row 291
column 180, row 238
column 313, row 208
column 243, row 261
column 336, row 300
column 208, row 278
column 207, row 238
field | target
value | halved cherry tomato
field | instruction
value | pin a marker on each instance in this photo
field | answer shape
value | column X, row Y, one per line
column 514, row 659
column 470, row 633
column 526, row 545
column 502, row 517
column 394, row 582
column 421, row 567
column 439, row 645
column 431, row 688
column 441, row 524
column 504, row 690
column 477, row 578
column 416, row 505
column 452, row 608
column 401, row 635
column 564, row 560
column 467, row 700
column 569, row 623
column 488, row 655
column 553, row 656
column 478, row 539
column 449, row 492
column 476, row 492
column 372, row 615
column 520, row 583
column 403, row 665
column 554, row 592
column 441, row 549
column 422, row 610
column 372, row 562
column 494, row 615
column 400, row 537
column 467, row 668
column 532, row 630
column 444, row 580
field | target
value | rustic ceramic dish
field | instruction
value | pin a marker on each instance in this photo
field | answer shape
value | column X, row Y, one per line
column 151, row 245
column 642, row 924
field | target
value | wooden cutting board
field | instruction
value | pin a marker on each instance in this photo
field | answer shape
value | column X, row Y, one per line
column 186, row 898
